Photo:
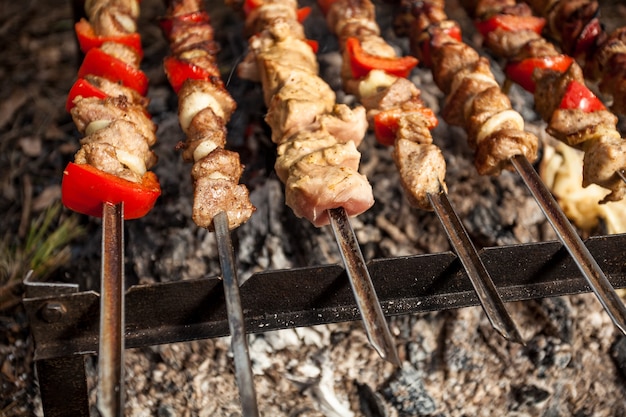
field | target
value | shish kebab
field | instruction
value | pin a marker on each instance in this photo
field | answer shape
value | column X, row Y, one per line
column 220, row 203
column 110, row 175
column 576, row 27
column 373, row 72
column 474, row 101
column 317, row 156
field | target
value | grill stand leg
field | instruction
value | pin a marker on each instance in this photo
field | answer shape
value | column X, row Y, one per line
column 63, row 386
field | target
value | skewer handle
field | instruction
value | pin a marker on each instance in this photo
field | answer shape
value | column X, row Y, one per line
column 111, row 349
column 592, row 272
column 373, row 318
column 239, row 343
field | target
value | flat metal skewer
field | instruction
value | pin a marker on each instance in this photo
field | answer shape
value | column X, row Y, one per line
column 374, row 320
column 110, row 400
column 485, row 289
column 239, row 343
column 592, row 272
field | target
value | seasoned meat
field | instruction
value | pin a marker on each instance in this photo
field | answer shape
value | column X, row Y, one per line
column 297, row 104
column 212, row 196
column 320, row 171
column 132, row 147
column 122, row 52
column 91, row 109
column 112, row 17
column 422, row 171
column 196, row 95
column 576, row 126
column 604, row 157
column 114, row 89
column 313, row 189
column 206, row 132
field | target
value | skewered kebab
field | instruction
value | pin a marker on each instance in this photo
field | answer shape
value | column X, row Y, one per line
column 474, row 101
column 220, row 203
column 573, row 113
column 317, row 156
column 110, row 175
column 576, row 27
column 377, row 76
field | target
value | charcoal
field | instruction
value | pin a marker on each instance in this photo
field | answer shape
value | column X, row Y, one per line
column 406, row 391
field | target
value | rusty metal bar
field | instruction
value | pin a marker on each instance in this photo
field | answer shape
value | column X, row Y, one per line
column 317, row 295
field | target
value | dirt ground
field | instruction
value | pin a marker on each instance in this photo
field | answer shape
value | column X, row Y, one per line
column 453, row 362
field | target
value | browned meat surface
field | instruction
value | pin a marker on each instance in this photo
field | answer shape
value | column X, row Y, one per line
column 205, row 133
column 604, row 157
column 214, row 196
column 132, row 147
column 105, row 157
column 204, row 109
column 88, row 110
column 297, row 104
column 112, row 17
column 595, row 132
column 196, row 95
column 574, row 127
column 114, row 89
column 422, row 171
column 122, row 52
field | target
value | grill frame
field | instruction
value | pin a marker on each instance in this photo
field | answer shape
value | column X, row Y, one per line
column 64, row 320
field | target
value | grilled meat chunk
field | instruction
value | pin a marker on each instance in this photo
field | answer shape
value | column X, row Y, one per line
column 94, row 110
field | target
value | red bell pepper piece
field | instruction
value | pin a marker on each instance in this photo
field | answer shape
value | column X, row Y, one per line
column 178, row 71
column 189, row 18
column 98, row 62
column 250, row 5
column 362, row 63
column 313, row 44
column 587, row 37
column 82, row 88
column 87, row 38
column 521, row 72
column 85, row 188
column 303, row 13
column 578, row 96
column 386, row 123
column 511, row 23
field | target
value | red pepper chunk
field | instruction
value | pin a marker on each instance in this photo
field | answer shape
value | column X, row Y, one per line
column 521, row 72
column 98, row 62
column 511, row 23
column 85, row 188
column 87, row 38
column 82, row 88
column 302, row 13
column 578, row 96
column 178, row 71
column 250, row 5
column 362, row 62
column 386, row 123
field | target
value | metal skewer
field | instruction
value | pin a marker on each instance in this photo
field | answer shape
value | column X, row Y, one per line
column 111, row 348
column 243, row 369
column 366, row 299
column 622, row 174
column 486, row 290
column 592, row 272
